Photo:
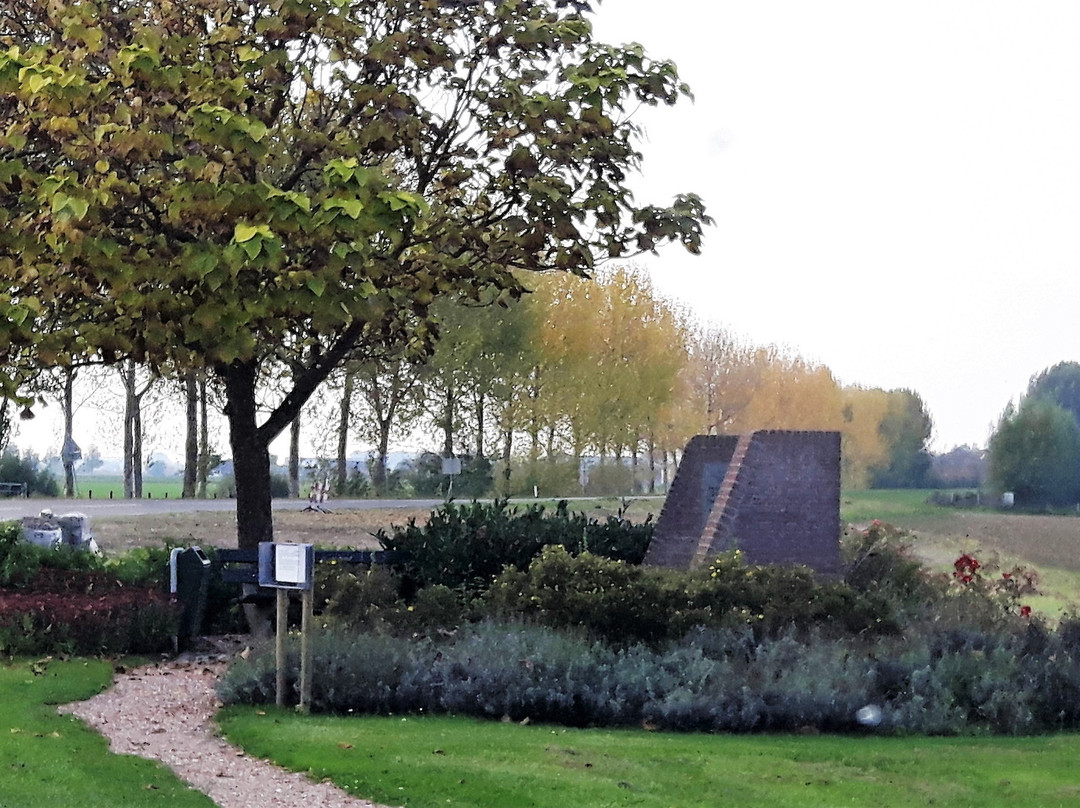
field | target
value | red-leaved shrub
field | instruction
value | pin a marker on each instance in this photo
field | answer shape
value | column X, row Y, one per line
column 77, row 612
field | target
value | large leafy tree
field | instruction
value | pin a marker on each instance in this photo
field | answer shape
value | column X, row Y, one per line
column 218, row 183
column 905, row 429
column 1035, row 453
column 1059, row 384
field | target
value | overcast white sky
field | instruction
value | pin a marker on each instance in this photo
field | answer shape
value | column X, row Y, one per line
column 896, row 185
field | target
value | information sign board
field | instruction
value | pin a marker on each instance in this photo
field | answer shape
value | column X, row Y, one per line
column 286, row 566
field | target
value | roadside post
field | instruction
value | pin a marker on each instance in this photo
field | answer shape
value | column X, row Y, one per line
column 288, row 568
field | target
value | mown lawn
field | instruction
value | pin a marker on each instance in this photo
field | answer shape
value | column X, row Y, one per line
column 55, row 761
column 424, row 762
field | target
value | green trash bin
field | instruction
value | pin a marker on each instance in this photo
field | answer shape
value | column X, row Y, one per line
column 189, row 580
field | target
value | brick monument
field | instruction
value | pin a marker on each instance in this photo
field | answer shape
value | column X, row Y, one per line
column 773, row 494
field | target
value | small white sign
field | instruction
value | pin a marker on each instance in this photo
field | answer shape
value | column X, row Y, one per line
column 290, row 563
column 286, row 566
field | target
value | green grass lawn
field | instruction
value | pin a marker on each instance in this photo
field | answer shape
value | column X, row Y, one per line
column 424, row 762
column 893, row 506
column 56, row 761
column 99, row 486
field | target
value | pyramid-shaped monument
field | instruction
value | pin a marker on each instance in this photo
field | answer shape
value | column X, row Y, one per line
column 773, row 494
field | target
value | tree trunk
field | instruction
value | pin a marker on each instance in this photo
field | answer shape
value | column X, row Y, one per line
column 343, row 432
column 136, row 449
column 5, row 424
column 251, row 458
column 448, row 424
column 191, row 442
column 652, row 464
column 294, row 458
column 129, row 474
column 69, row 417
column 378, row 472
column 204, row 439
column 481, row 401
column 508, row 446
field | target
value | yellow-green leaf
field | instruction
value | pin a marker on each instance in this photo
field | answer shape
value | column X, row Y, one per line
column 246, row 232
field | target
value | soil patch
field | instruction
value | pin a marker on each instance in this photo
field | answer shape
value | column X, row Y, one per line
column 353, row 529
column 1051, row 541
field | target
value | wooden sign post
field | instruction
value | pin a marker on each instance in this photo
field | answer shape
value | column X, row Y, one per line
column 290, row 567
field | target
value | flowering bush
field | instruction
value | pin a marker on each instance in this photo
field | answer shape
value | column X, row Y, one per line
column 1006, row 589
column 966, row 568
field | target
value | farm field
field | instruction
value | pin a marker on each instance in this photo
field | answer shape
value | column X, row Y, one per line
column 1048, row 543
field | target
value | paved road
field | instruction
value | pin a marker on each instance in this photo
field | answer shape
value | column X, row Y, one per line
column 17, row 508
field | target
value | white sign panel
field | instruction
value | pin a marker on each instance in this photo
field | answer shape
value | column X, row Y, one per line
column 286, row 566
column 290, row 564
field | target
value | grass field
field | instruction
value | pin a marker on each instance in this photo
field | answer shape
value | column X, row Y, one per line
column 432, row 761
column 111, row 486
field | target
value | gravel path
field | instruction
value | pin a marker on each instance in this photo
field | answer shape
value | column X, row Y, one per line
column 164, row 712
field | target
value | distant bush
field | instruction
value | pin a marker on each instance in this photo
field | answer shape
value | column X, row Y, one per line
column 16, row 468
column 610, row 480
column 558, row 477
column 225, row 486
column 356, row 486
column 424, row 477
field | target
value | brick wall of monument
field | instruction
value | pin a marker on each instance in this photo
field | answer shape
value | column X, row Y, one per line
column 783, row 506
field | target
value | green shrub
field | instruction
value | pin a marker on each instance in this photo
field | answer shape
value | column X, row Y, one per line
column 976, row 594
column 145, row 566
column 612, row 600
column 879, row 559
column 358, row 597
column 625, row 603
column 463, row 547
column 22, row 561
column 368, row 599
